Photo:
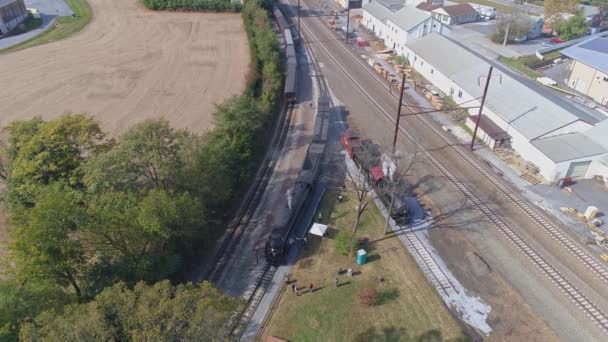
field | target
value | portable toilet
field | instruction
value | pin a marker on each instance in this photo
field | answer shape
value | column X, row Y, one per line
column 361, row 257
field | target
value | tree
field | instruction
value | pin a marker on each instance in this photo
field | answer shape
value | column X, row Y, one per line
column 572, row 28
column 23, row 301
column 556, row 7
column 161, row 312
column 146, row 235
column 511, row 27
column 44, row 247
column 146, row 156
column 41, row 153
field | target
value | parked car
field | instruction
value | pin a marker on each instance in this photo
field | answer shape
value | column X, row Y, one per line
column 552, row 41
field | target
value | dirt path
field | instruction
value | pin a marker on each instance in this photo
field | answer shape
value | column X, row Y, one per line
column 130, row 64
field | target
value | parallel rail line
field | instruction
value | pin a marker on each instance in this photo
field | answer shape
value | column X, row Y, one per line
column 576, row 295
column 252, row 199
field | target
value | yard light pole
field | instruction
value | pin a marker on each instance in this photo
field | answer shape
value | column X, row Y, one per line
column 483, row 100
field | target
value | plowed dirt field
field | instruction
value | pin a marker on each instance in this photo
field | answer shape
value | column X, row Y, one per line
column 130, row 64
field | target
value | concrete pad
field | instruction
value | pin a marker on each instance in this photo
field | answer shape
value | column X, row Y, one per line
column 50, row 7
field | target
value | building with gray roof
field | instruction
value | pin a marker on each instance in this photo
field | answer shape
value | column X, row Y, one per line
column 536, row 125
column 588, row 69
column 396, row 23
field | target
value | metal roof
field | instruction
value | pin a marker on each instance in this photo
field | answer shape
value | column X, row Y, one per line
column 377, row 10
column 409, row 17
column 569, row 147
column 592, row 52
column 599, row 133
column 457, row 10
column 527, row 111
column 6, row 2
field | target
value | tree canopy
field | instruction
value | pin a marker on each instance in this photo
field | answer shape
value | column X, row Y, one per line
column 572, row 28
column 553, row 7
column 161, row 312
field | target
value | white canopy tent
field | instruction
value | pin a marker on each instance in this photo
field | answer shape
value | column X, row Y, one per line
column 318, row 229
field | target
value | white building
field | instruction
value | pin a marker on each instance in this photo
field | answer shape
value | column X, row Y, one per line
column 12, row 13
column 559, row 142
column 456, row 14
column 398, row 24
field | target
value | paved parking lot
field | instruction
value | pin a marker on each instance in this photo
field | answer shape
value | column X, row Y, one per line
column 50, row 7
column 477, row 37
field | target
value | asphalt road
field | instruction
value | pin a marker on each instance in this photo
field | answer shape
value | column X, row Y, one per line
column 521, row 296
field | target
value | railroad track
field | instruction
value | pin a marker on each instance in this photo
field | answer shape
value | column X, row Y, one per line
column 569, row 244
column 252, row 198
column 573, row 293
column 262, row 284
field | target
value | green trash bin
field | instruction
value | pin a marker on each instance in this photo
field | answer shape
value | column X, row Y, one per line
column 361, row 257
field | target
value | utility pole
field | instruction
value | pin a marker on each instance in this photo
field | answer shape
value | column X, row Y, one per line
column 399, row 112
column 347, row 20
column 504, row 43
column 483, row 100
column 299, row 34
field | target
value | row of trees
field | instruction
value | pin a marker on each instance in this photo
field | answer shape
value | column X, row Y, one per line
column 193, row 5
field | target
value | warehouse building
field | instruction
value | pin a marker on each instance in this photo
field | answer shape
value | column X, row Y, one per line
column 12, row 13
column 588, row 69
column 397, row 24
column 558, row 142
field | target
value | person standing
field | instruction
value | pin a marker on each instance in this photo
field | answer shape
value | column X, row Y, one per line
column 337, row 283
column 312, row 287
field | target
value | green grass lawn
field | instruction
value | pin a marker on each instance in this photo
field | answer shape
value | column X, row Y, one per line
column 62, row 28
column 409, row 309
column 518, row 64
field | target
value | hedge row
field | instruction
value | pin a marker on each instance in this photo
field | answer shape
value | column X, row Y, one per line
column 193, row 5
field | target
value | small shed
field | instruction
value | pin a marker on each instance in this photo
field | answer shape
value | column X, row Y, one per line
column 489, row 132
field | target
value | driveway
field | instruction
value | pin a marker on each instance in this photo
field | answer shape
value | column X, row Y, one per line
column 477, row 37
column 7, row 42
column 50, row 7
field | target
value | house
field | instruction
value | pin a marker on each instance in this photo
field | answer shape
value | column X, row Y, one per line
column 426, row 6
column 397, row 24
column 456, row 14
column 588, row 69
column 12, row 13
column 559, row 139
column 423, row 2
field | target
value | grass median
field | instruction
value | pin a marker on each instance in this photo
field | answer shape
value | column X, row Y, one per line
column 63, row 27
column 407, row 307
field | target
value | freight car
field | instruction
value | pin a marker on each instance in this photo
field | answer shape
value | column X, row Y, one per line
column 377, row 168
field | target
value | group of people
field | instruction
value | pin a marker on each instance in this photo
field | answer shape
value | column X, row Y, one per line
column 294, row 287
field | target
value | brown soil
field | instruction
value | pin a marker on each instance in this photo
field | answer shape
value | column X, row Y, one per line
column 130, row 64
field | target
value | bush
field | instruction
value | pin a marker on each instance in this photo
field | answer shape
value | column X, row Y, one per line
column 368, row 296
column 345, row 242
